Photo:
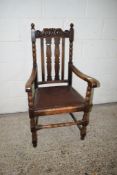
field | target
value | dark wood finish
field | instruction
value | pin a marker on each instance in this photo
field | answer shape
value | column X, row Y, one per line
column 52, row 32
column 57, row 54
column 58, row 110
column 47, row 98
column 79, row 122
column 31, row 80
column 71, row 38
column 42, row 59
column 48, row 54
column 52, row 100
column 33, row 44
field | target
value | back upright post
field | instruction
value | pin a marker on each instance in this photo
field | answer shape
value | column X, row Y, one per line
column 34, row 49
column 71, row 38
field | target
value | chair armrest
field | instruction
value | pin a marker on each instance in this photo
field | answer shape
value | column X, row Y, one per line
column 91, row 81
column 31, row 80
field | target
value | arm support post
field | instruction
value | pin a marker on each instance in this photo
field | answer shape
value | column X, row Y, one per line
column 92, row 83
column 31, row 80
column 30, row 87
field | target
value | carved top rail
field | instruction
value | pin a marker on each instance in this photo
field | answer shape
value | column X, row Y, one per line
column 52, row 32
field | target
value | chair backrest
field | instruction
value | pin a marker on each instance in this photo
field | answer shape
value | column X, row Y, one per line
column 46, row 36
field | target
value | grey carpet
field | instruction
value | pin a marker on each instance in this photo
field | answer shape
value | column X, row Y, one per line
column 60, row 151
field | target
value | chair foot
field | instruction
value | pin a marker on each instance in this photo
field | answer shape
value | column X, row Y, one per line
column 83, row 133
column 34, row 143
column 82, row 137
column 34, row 138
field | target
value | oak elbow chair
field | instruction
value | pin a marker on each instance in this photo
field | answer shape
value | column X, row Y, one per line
column 56, row 99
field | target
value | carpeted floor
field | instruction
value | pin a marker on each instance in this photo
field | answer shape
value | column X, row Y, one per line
column 60, row 151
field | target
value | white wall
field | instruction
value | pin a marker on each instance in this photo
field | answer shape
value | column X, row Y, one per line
column 95, row 51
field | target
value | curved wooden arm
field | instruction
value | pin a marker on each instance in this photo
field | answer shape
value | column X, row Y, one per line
column 91, row 81
column 31, row 80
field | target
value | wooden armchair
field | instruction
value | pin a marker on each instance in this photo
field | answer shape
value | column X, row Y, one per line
column 56, row 99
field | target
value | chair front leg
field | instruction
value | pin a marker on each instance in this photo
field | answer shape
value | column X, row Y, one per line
column 33, row 130
column 88, row 100
column 84, row 125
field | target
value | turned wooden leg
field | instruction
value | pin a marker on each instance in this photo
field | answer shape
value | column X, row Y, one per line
column 88, row 100
column 34, row 132
column 34, row 138
column 84, row 125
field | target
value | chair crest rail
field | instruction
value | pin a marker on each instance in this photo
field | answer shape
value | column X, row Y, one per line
column 52, row 32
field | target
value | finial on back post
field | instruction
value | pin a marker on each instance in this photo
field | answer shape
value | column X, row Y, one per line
column 32, row 26
column 33, row 32
column 71, row 25
column 71, row 32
